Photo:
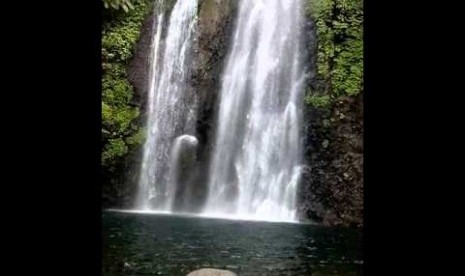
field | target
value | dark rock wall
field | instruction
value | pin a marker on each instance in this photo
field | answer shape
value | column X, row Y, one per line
column 215, row 26
column 331, row 191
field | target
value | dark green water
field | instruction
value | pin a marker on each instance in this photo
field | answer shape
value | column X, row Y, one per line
column 146, row 244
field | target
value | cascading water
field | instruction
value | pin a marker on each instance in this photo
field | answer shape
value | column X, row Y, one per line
column 171, row 111
column 255, row 166
column 182, row 161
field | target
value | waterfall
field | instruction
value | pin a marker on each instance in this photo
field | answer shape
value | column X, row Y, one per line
column 255, row 167
column 171, row 111
column 255, row 162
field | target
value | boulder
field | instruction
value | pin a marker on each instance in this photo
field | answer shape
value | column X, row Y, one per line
column 211, row 272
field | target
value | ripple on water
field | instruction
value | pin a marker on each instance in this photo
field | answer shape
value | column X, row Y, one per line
column 249, row 248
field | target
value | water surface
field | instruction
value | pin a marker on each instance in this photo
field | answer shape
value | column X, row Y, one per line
column 147, row 244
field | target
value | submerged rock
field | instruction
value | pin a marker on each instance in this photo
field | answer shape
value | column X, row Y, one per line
column 211, row 272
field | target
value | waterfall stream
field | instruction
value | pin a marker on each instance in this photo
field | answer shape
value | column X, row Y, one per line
column 256, row 161
column 171, row 112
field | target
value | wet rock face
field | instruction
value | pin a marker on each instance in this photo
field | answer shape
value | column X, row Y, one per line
column 119, row 186
column 138, row 70
column 215, row 26
column 183, row 171
column 331, row 191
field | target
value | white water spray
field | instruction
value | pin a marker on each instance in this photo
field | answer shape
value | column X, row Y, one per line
column 256, row 163
column 171, row 111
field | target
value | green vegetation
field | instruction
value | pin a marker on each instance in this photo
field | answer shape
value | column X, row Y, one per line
column 339, row 26
column 121, row 28
column 322, row 101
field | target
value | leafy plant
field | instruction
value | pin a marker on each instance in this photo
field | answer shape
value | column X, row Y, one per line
column 120, row 131
column 323, row 101
column 114, row 149
column 339, row 26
